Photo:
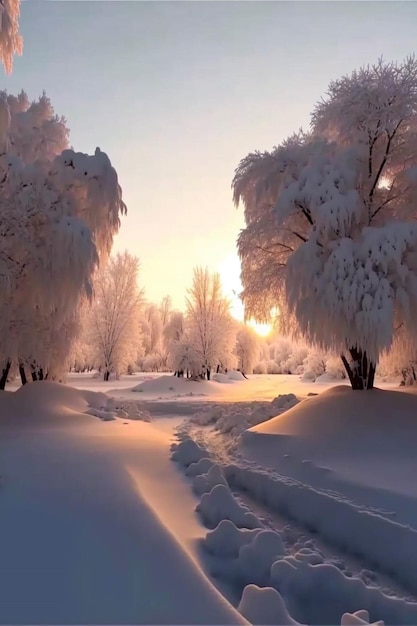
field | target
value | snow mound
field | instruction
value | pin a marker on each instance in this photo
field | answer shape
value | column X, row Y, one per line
column 349, row 432
column 235, row 375
column 230, row 377
column 321, row 594
column 172, row 386
column 201, row 467
column 220, row 504
column 188, row 452
column 336, row 411
column 264, row 607
column 204, row 483
column 46, row 403
column 256, row 558
column 359, row 618
column 221, row 378
column 226, row 539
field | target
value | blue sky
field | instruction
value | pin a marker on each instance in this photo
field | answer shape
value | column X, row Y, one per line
column 178, row 92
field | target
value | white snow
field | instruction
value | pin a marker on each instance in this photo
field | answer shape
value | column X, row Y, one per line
column 226, row 539
column 220, row 504
column 94, row 520
column 204, row 483
column 264, row 606
column 103, row 498
column 188, row 453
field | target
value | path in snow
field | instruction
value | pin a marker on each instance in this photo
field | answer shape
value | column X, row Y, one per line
column 295, row 533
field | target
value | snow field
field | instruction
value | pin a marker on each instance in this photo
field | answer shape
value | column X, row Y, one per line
column 94, row 519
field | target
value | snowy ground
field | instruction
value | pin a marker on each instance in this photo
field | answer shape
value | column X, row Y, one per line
column 299, row 518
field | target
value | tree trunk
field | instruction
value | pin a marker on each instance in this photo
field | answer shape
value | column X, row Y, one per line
column 361, row 372
column 208, row 373
column 22, row 374
column 34, row 376
column 5, row 373
column 106, row 375
column 40, row 374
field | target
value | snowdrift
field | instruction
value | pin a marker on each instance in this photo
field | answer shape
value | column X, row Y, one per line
column 348, row 432
column 95, row 520
column 52, row 404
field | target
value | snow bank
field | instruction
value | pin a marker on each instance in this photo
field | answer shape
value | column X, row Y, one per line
column 379, row 540
column 340, row 415
column 46, row 403
column 234, row 418
column 188, row 452
column 220, row 504
column 321, row 594
column 264, row 607
column 204, row 483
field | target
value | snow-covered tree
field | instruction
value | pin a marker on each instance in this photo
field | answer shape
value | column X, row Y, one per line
column 165, row 309
column 247, row 349
column 114, row 333
column 184, row 358
column 59, row 211
column 210, row 327
column 331, row 236
column 11, row 42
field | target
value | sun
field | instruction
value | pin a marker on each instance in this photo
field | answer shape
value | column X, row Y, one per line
column 260, row 328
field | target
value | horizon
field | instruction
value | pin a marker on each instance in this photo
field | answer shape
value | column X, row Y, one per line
column 187, row 91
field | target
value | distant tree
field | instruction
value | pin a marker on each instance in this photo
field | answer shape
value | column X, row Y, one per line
column 331, row 234
column 59, row 211
column 171, row 335
column 11, row 42
column 114, row 320
column 165, row 309
column 247, row 349
column 210, row 327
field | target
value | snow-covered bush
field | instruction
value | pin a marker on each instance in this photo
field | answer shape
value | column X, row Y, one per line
column 314, row 365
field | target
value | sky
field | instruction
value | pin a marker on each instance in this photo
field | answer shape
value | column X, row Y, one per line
column 177, row 93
